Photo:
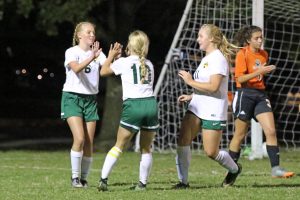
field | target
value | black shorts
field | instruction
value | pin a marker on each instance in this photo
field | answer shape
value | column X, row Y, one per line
column 248, row 103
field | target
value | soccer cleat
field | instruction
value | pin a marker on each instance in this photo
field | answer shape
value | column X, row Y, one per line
column 103, row 185
column 75, row 182
column 180, row 186
column 139, row 187
column 231, row 177
column 84, row 183
column 278, row 172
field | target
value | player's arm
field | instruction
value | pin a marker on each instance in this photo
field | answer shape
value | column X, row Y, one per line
column 261, row 71
column 114, row 52
column 211, row 86
column 241, row 74
column 78, row 67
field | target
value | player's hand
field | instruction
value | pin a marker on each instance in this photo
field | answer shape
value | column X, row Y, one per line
column 184, row 98
column 115, row 50
column 267, row 69
column 96, row 50
column 186, row 76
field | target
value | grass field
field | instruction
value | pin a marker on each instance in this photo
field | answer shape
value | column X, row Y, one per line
column 46, row 175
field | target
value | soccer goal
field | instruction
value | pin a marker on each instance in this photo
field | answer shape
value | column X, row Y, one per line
column 282, row 36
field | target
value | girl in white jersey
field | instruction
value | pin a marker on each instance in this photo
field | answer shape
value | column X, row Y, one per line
column 139, row 105
column 79, row 105
column 207, row 109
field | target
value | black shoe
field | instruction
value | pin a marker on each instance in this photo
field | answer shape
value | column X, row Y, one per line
column 231, row 177
column 180, row 186
column 75, row 182
column 84, row 183
column 103, row 185
column 139, row 187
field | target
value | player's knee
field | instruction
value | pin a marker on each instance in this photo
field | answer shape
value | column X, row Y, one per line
column 270, row 131
column 184, row 139
column 239, row 135
column 211, row 153
column 79, row 141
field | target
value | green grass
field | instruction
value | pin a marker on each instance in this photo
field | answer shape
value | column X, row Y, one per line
column 46, row 175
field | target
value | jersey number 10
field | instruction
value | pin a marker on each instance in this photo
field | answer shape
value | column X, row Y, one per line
column 135, row 74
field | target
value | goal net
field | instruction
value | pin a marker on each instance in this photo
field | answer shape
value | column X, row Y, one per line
column 281, row 34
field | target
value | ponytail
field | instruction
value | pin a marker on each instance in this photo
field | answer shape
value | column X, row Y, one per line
column 138, row 44
column 227, row 49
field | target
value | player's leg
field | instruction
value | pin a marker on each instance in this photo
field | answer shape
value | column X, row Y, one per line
column 211, row 136
column 76, row 126
column 190, row 126
column 87, row 158
column 123, row 136
column 243, row 109
column 90, row 112
column 211, row 141
column 267, row 122
column 146, row 140
column 129, row 124
column 72, row 112
column 241, row 129
column 149, row 125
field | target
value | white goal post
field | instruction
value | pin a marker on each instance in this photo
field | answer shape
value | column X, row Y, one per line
column 256, row 129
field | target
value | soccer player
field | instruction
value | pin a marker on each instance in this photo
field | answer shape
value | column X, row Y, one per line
column 139, row 105
column 79, row 104
column 207, row 108
column 250, row 100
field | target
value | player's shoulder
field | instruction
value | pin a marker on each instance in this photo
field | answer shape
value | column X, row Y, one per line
column 215, row 56
column 73, row 49
column 264, row 53
column 242, row 51
column 148, row 62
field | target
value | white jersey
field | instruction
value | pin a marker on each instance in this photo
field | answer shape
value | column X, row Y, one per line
column 87, row 80
column 206, row 105
column 129, row 69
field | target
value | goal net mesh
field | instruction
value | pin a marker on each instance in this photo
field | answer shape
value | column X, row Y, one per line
column 281, row 41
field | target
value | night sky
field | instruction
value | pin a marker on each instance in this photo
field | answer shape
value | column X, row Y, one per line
column 32, row 72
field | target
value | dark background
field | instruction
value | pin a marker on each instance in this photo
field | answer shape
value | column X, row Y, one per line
column 33, row 39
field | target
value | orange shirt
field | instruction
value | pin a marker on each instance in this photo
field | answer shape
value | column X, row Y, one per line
column 247, row 62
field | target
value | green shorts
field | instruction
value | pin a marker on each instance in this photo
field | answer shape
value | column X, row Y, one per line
column 213, row 125
column 140, row 113
column 81, row 105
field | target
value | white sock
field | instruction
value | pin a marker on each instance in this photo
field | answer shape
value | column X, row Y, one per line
column 110, row 160
column 145, row 167
column 85, row 167
column 75, row 163
column 224, row 159
column 183, row 159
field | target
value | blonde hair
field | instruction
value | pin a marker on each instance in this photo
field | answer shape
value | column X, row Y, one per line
column 78, row 28
column 138, row 43
column 227, row 49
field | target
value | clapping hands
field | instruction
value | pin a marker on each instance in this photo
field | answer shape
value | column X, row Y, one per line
column 115, row 50
column 96, row 50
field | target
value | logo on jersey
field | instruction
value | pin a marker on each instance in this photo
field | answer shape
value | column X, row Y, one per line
column 205, row 65
column 257, row 65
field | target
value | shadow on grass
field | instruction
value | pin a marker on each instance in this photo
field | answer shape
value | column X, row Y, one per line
column 275, row 185
column 127, row 186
